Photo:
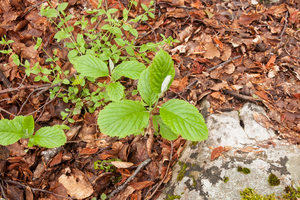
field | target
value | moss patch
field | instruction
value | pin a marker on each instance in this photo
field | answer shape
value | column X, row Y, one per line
column 251, row 194
column 173, row 197
column 291, row 193
column 226, row 179
column 194, row 181
column 181, row 173
column 245, row 170
column 192, row 144
column 273, row 180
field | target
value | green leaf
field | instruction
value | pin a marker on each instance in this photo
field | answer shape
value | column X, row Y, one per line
column 15, row 58
column 38, row 43
column 165, row 131
column 129, row 50
column 28, row 125
column 50, row 137
column 48, row 12
column 115, row 91
column 91, row 66
column 148, row 95
column 120, row 41
column 112, row 10
column 129, row 69
column 184, row 119
column 62, row 6
column 60, row 35
column 161, row 67
column 11, row 130
column 123, row 118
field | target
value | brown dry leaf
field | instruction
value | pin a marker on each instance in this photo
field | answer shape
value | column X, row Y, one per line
column 218, row 95
column 271, row 62
column 276, row 10
column 226, row 53
column 77, row 184
column 88, row 151
column 173, row 2
column 57, row 159
column 262, row 94
column 121, row 164
column 216, row 152
column 141, row 185
column 219, row 43
column 248, row 149
column 211, row 51
column 229, row 69
column 247, row 19
column 186, row 33
column 219, row 86
column 261, row 120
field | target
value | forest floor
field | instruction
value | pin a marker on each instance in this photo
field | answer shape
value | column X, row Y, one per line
column 230, row 52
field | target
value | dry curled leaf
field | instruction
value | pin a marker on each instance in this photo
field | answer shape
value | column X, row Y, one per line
column 121, row 164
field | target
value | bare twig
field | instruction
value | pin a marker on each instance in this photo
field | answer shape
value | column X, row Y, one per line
column 143, row 164
column 55, row 85
column 2, row 191
column 153, row 31
column 1, row 109
column 24, row 87
column 167, row 171
column 32, row 8
column 224, row 63
column 4, row 80
column 242, row 97
column 36, row 189
column 285, row 24
column 26, row 101
column 45, row 103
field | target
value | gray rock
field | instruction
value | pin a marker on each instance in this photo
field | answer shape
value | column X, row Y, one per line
column 204, row 179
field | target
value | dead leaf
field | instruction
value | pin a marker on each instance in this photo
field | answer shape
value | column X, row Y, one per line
column 261, row 120
column 270, row 62
column 76, row 184
column 121, row 164
column 248, row 149
column 247, row 19
column 216, row 152
column 211, row 51
column 88, row 151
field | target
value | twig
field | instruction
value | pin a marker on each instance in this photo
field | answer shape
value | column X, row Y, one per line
column 285, row 24
column 143, row 164
column 45, row 103
column 24, row 87
column 25, row 101
column 55, row 85
column 223, row 63
column 2, row 191
column 167, row 171
column 153, row 31
column 1, row 109
column 242, row 97
column 32, row 8
column 36, row 189
column 5, row 81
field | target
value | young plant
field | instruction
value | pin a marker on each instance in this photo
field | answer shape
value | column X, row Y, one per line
column 175, row 117
column 23, row 127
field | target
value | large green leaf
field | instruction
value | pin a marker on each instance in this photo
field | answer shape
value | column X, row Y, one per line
column 28, row 125
column 91, row 66
column 11, row 130
column 148, row 95
column 50, row 137
column 115, row 91
column 165, row 131
column 123, row 118
column 184, row 119
column 161, row 67
column 129, row 69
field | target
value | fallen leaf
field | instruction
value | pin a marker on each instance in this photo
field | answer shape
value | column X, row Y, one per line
column 211, row 51
column 121, row 164
column 247, row 149
column 261, row 120
column 270, row 62
column 216, row 152
column 247, row 19
column 88, row 151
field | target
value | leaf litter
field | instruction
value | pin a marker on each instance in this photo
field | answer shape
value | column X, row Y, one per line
column 264, row 36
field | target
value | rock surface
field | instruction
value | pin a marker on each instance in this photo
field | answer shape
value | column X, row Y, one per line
column 253, row 147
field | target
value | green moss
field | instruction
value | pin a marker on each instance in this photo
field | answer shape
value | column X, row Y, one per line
column 181, row 173
column 273, row 180
column 180, row 163
column 173, row 197
column 291, row 193
column 193, row 165
column 251, row 194
column 226, row 179
column 194, row 181
column 193, row 143
column 245, row 170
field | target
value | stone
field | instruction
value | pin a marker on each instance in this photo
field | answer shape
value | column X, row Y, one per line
column 265, row 154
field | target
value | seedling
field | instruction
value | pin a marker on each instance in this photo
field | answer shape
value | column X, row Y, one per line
column 23, row 127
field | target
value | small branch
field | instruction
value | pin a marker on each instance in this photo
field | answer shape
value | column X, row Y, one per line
column 45, row 103
column 1, row 109
column 153, row 31
column 167, row 171
column 285, row 24
column 32, row 8
column 143, row 164
column 36, row 189
column 23, row 88
column 2, row 191
column 223, row 63
column 26, row 101
column 242, row 97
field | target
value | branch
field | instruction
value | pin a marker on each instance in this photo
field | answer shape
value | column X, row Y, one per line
column 143, row 164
